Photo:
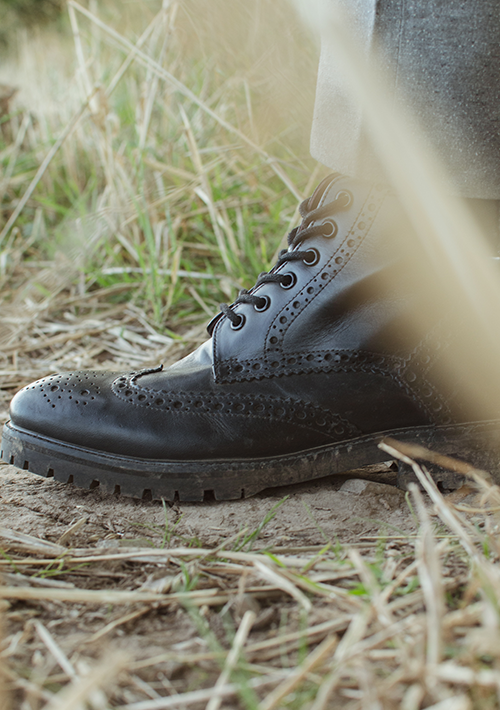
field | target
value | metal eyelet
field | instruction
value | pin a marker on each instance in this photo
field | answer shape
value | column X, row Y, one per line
column 345, row 198
column 290, row 283
column 313, row 257
column 333, row 229
column 266, row 303
column 240, row 323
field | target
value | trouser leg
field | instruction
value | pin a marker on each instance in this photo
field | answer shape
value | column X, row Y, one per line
column 442, row 61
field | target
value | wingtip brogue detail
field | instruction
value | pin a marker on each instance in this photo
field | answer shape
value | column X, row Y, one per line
column 302, row 363
column 291, row 411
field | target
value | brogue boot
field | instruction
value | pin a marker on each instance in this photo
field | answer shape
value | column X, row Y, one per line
column 301, row 378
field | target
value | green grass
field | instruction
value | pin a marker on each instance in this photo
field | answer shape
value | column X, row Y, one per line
column 247, row 542
column 150, row 189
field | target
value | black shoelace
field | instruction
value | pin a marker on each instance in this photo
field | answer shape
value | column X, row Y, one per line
column 298, row 236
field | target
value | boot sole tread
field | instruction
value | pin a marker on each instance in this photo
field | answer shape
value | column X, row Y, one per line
column 222, row 479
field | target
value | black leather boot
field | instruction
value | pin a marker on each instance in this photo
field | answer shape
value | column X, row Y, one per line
column 301, row 378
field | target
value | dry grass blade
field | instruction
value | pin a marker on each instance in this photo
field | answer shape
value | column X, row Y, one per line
column 81, row 58
column 282, row 583
column 130, row 57
column 74, row 695
column 116, row 623
column 29, row 543
column 355, row 632
column 55, row 649
column 72, row 530
column 445, row 512
column 413, row 697
column 317, row 657
column 457, row 702
column 453, row 673
column 430, row 574
column 407, row 625
column 371, row 584
column 325, row 691
column 232, row 658
column 397, row 583
column 101, row 596
column 199, row 696
column 137, row 554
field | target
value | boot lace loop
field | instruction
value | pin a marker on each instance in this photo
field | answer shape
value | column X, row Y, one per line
column 307, row 229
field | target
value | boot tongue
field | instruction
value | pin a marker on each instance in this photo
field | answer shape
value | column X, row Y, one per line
column 307, row 206
column 321, row 191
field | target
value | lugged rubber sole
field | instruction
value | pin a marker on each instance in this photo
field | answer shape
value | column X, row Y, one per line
column 221, row 479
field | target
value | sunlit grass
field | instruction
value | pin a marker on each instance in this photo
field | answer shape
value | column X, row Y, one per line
column 149, row 189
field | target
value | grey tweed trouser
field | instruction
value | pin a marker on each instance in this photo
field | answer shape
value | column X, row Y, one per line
column 442, row 60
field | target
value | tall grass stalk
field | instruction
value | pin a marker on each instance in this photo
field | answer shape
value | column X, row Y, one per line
column 153, row 150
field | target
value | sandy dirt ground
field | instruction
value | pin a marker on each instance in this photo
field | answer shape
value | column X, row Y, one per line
column 344, row 508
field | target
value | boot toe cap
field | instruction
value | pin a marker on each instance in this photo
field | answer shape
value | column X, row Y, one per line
column 65, row 406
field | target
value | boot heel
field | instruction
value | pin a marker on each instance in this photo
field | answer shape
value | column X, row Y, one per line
column 445, row 480
column 481, row 453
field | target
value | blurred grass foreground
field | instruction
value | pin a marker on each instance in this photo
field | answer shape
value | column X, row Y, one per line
column 152, row 159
